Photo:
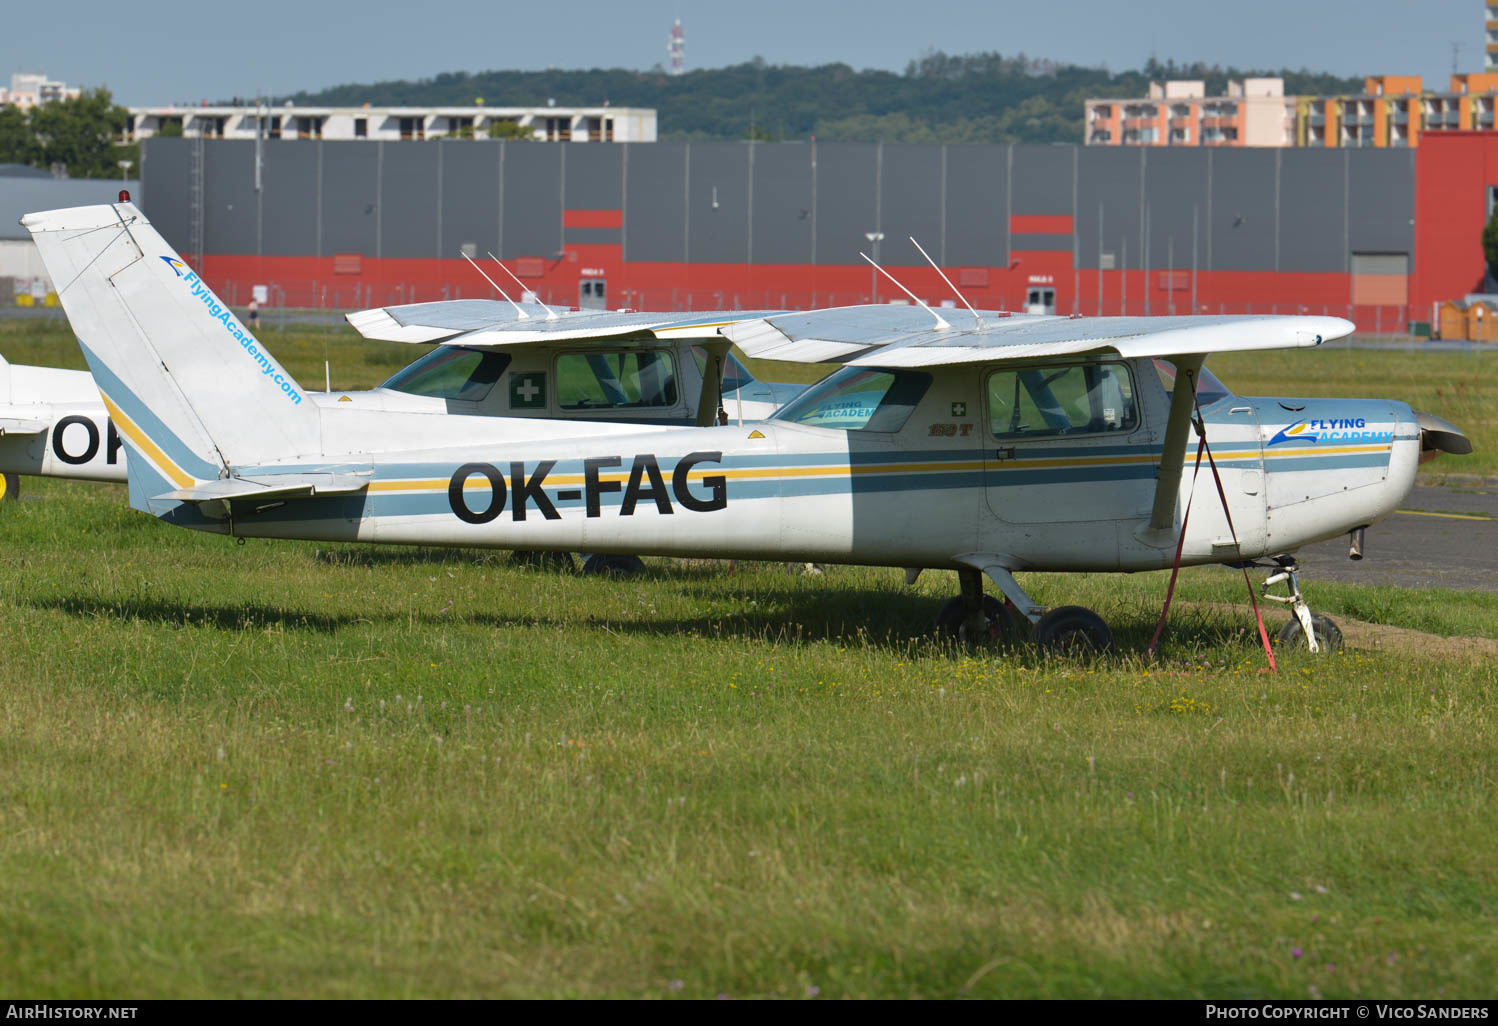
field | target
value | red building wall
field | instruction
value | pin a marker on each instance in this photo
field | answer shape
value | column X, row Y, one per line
column 1453, row 172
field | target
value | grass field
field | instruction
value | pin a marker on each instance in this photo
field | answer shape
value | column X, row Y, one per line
column 287, row 769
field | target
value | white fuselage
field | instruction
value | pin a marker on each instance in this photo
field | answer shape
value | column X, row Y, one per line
column 942, row 487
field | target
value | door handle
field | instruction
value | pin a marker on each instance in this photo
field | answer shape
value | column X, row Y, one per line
column 1006, row 453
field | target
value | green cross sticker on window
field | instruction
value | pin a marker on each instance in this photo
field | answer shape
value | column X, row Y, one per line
column 959, row 409
column 528, row 391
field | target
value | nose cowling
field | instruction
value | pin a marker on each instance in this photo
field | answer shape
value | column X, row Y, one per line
column 1438, row 435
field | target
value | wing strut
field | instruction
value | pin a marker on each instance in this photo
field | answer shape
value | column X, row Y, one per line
column 710, row 401
column 1177, row 433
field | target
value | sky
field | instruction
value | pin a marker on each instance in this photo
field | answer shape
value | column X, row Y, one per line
column 153, row 53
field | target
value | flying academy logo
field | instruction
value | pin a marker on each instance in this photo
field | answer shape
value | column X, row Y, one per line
column 225, row 316
column 1337, row 429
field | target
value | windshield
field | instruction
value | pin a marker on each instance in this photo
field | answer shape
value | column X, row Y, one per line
column 859, row 399
column 1208, row 388
column 451, row 372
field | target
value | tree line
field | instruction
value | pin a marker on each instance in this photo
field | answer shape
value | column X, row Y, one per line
column 78, row 137
column 982, row 97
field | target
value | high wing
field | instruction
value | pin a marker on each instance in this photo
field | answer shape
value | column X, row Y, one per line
column 486, row 323
column 905, row 336
column 883, row 335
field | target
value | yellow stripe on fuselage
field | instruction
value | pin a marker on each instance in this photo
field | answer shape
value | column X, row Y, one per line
column 478, row 481
column 128, row 428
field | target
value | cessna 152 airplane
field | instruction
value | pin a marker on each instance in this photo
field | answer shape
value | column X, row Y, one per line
column 955, row 440
column 54, row 424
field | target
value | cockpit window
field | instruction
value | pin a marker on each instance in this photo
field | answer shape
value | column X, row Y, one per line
column 859, row 399
column 451, row 372
column 1208, row 388
column 735, row 375
column 621, row 379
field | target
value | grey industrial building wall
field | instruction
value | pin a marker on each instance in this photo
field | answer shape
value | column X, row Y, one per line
column 1229, row 209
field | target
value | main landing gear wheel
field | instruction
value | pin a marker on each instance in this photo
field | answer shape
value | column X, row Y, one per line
column 1069, row 630
column 952, row 623
column 10, row 487
column 1327, row 634
column 562, row 561
column 614, row 566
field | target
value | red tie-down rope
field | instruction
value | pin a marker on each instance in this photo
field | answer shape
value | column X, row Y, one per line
column 1202, row 447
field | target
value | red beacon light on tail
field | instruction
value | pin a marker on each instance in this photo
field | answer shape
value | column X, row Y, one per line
column 124, row 195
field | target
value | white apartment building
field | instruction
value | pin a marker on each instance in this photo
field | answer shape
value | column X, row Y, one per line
column 28, row 89
column 1252, row 112
column 550, row 123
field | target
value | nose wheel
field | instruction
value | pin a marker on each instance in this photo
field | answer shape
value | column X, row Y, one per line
column 1311, row 631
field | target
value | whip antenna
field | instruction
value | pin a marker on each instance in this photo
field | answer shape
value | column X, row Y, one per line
column 976, row 316
column 551, row 314
column 523, row 315
column 941, row 325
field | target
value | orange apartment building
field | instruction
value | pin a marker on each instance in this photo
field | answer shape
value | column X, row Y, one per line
column 1491, row 38
column 1393, row 110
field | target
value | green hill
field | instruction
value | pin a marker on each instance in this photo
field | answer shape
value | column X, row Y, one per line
column 984, row 97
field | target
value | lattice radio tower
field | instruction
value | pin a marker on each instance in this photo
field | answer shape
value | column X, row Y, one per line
column 677, row 48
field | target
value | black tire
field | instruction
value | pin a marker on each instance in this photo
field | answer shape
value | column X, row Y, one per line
column 614, row 566
column 561, row 561
column 953, row 618
column 10, row 487
column 1073, row 630
column 1328, row 634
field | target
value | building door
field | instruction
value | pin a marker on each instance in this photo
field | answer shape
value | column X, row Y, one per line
column 1040, row 300
column 592, row 294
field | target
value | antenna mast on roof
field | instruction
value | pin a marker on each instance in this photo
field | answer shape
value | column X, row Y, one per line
column 976, row 316
column 523, row 315
column 941, row 325
column 551, row 314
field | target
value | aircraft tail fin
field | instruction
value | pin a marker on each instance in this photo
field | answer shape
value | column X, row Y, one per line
column 190, row 389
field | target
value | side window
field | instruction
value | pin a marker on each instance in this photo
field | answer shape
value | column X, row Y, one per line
column 1039, row 402
column 451, row 372
column 624, row 379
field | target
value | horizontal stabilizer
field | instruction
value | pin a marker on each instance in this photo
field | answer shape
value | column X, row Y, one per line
column 278, row 486
column 22, row 426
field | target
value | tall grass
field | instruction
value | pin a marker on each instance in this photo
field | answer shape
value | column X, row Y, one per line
column 287, row 769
